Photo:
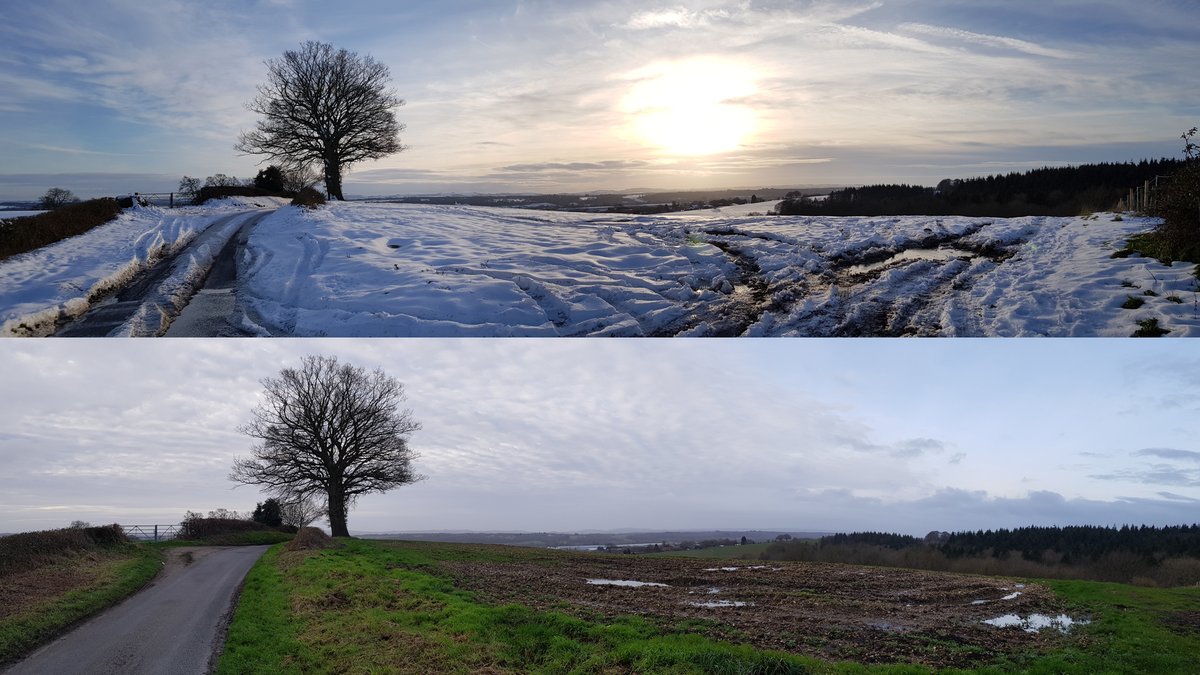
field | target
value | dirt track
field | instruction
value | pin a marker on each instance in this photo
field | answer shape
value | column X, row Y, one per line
column 834, row 612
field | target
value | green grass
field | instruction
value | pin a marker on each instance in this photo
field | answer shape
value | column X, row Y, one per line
column 374, row 607
column 1150, row 328
column 1130, row 632
column 1158, row 245
column 115, row 576
column 747, row 552
column 1132, row 302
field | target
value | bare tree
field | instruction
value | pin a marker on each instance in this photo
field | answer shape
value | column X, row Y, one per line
column 325, row 108
column 56, row 197
column 332, row 429
column 221, row 180
column 189, row 187
column 297, row 177
column 300, row 510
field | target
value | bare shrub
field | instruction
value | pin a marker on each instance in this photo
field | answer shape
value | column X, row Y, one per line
column 310, row 538
column 309, row 198
column 20, row 552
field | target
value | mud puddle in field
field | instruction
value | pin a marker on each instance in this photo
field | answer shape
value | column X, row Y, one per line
column 832, row 612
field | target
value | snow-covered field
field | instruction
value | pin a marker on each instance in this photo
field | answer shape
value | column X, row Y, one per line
column 365, row 269
column 42, row 288
column 355, row 269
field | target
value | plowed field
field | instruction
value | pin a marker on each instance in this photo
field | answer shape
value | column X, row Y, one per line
column 835, row 612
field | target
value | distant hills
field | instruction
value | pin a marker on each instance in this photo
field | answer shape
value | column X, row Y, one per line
column 619, row 538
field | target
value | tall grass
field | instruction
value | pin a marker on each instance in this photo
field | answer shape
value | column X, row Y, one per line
column 110, row 567
column 21, row 235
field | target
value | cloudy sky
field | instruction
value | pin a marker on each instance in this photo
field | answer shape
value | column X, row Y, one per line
column 530, row 95
column 538, row 435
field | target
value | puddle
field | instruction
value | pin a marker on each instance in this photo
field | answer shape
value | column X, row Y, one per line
column 721, row 569
column 940, row 254
column 1036, row 622
column 1012, row 596
column 722, row 603
column 622, row 582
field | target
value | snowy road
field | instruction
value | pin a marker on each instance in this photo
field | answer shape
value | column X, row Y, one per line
column 214, row 311
column 149, row 304
column 44, row 290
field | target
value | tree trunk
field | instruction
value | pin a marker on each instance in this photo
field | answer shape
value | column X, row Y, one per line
column 333, row 179
column 337, row 514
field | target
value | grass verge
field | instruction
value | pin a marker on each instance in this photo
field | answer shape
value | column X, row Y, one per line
column 1162, row 247
column 373, row 606
column 110, row 578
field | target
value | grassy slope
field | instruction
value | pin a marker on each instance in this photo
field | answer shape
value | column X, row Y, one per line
column 112, row 578
column 380, row 607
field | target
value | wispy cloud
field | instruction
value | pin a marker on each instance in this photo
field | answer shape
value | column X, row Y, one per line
column 972, row 39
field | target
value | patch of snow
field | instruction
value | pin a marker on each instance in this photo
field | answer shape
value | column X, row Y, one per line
column 1012, row 596
column 622, row 582
column 1036, row 622
column 722, row 603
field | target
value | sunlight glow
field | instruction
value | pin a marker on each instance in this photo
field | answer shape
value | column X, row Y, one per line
column 693, row 107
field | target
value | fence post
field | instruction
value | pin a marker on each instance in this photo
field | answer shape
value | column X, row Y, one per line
column 172, row 200
column 155, row 533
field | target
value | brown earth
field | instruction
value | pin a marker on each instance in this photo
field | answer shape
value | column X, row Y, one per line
column 833, row 612
column 24, row 591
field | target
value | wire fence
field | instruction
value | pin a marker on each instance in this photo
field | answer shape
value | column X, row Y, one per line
column 167, row 199
column 1143, row 197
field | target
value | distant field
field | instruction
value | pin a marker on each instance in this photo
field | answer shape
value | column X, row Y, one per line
column 378, row 606
column 747, row 552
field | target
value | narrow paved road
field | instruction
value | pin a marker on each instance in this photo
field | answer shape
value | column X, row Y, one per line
column 213, row 311
column 172, row 627
column 110, row 314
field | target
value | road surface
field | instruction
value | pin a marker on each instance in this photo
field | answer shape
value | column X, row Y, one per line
column 110, row 314
column 214, row 311
column 175, row 626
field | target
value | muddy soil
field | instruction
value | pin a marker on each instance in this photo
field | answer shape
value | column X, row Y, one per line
column 833, row 612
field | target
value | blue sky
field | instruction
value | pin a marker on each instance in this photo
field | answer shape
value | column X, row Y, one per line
column 524, row 95
column 898, row 435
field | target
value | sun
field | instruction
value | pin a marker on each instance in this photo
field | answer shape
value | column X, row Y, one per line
column 693, row 107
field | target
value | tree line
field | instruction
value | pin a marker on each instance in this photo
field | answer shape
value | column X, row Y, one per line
column 1048, row 191
column 1147, row 555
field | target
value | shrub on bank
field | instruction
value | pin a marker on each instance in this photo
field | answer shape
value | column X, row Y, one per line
column 19, row 552
column 20, row 235
column 309, row 198
column 219, row 191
